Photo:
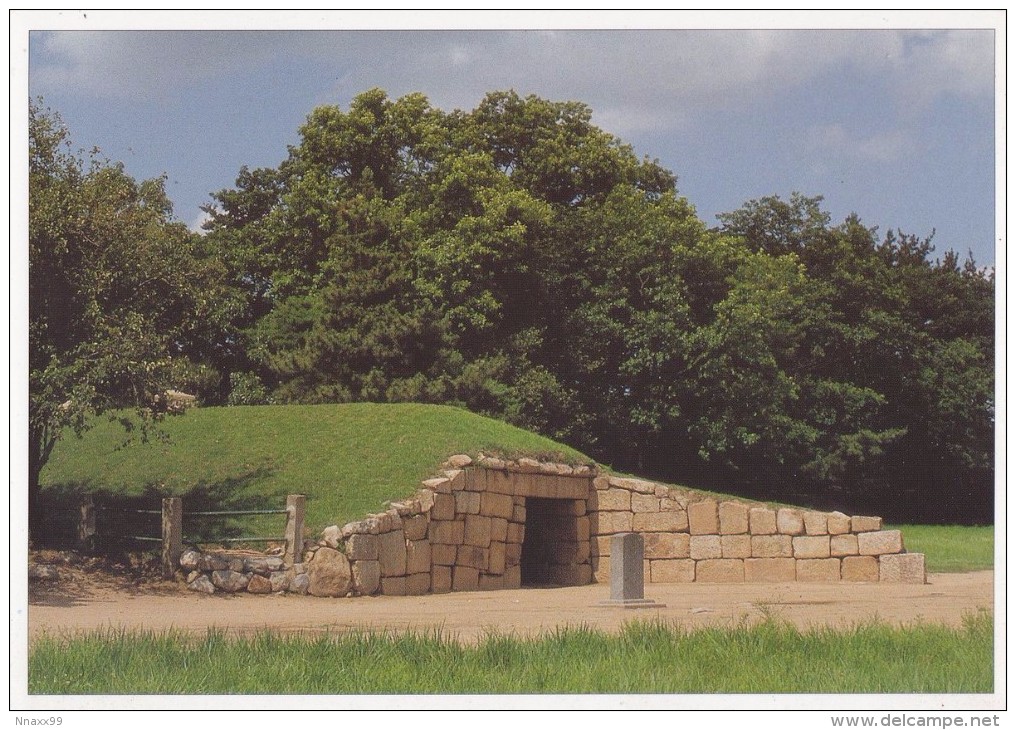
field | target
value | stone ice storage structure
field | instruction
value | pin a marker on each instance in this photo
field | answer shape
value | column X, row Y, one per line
column 490, row 524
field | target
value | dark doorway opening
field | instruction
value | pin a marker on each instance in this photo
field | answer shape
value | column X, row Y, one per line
column 550, row 543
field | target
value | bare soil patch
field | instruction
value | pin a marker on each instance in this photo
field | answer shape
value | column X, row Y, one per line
column 87, row 594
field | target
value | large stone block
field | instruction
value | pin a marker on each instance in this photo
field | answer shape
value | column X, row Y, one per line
column 610, row 523
column 519, row 513
column 415, row 527
column 512, row 553
column 441, row 579
column 671, row 571
column 719, row 571
column 842, row 545
column 578, row 507
column 671, row 503
column 441, row 485
column 735, row 546
column 444, row 507
column 516, row 532
column 770, row 570
column 498, row 529
column 477, row 530
column 703, row 518
column 660, row 522
column 459, row 461
column 496, row 559
column 362, row 547
column 497, row 505
column 582, row 551
column 426, row 499
column 442, row 554
column 329, row 573
column 259, row 584
column 600, row 545
column 418, row 557
column 418, row 584
column 467, row 503
column 513, row 577
column 816, row 523
column 762, row 521
column 789, row 522
column 366, row 577
column 865, row 524
column 392, row 554
column 501, row 482
column 641, row 486
column 582, row 528
column 884, row 542
column 393, row 585
column 839, row 523
column 667, row 545
column 811, row 546
column 473, row 557
column 613, row 500
column 860, row 569
column 772, row 546
column 644, row 503
column 822, row 570
column 601, row 483
column 465, row 578
column 450, row 532
column 902, row 568
column 703, row 547
column 489, row 582
column 733, row 518
column 573, row 488
column 601, row 569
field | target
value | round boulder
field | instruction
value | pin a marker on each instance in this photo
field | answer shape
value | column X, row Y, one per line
column 329, row 573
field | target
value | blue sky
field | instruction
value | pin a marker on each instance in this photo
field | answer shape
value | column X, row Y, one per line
column 895, row 125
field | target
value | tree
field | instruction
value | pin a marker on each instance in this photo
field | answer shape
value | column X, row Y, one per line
column 117, row 298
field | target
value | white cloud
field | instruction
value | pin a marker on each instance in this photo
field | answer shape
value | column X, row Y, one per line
column 635, row 81
column 834, row 140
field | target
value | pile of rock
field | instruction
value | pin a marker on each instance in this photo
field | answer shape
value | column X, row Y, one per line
column 232, row 572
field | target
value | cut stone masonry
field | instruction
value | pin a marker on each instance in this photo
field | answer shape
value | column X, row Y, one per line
column 493, row 524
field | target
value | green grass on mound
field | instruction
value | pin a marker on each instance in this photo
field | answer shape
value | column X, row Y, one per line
column 951, row 548
column 348, row 459
column 646, row 657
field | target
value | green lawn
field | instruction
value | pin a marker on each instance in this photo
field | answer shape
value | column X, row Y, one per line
column 348, row 459
column 951, row 548
column 644, row 658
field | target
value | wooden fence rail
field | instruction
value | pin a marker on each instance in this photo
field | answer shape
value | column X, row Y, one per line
column 172, row 539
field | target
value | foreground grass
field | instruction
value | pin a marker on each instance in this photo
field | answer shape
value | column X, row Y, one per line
column 348, row 459
column 951, row 548
column 644, row 658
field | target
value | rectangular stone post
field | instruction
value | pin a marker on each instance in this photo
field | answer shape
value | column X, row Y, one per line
column 86, row 525
column 627, row 580
column 172, row 535
column 296, row 505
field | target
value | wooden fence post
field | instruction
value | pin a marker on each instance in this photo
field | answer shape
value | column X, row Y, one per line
column 86, row 524
column 296, row 504
column 172, row 535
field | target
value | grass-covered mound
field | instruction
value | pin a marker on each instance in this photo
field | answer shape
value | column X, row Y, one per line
column 348, row 459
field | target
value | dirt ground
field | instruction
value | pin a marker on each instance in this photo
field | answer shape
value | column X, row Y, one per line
column 84, row 597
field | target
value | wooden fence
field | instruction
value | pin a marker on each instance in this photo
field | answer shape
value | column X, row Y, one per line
column 172, row 539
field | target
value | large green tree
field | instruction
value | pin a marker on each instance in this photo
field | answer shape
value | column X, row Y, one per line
column 520, row 261
column 117, row 297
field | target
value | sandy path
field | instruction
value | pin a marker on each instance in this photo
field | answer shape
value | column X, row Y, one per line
column 947, row 598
